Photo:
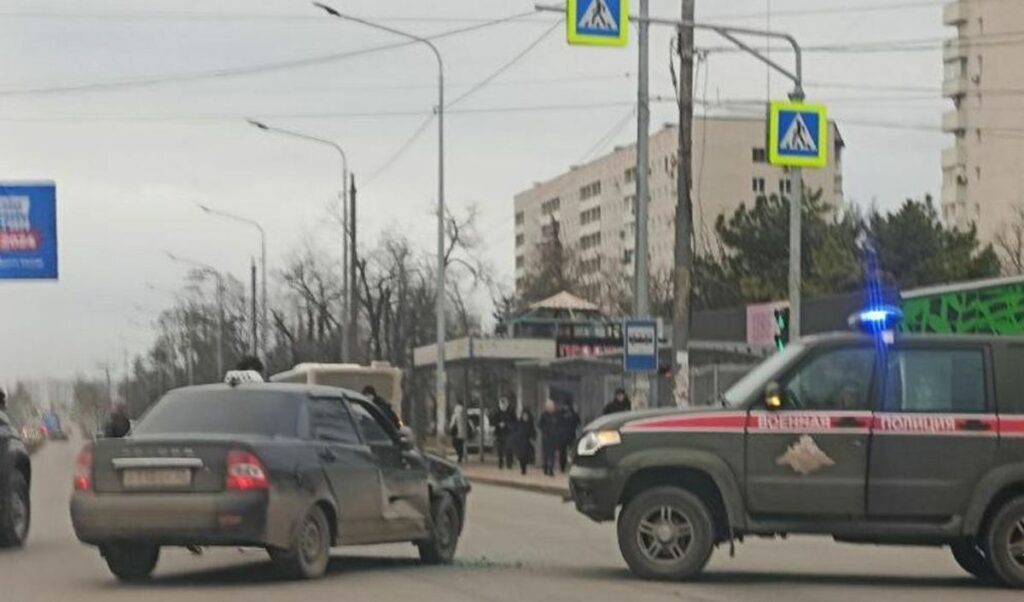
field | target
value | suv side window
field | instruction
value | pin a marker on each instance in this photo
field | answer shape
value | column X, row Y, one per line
column 373, row 432
column 935, row 380
column 837, row 379
column 330, row 421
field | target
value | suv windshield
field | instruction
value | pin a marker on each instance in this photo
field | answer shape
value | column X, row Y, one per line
column 755, row 379
column 233, row 412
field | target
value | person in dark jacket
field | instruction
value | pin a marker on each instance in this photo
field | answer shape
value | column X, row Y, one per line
column 522, row 437
column 620, row 403
column 568, row 424
column 503, row 420
column 550, row 435
column 118, row 425
column 383, row 405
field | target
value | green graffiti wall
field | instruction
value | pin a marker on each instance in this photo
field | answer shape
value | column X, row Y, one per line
column 996, row 310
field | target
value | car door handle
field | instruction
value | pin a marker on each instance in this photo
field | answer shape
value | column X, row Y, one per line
column 976, row 425
column 328, row 455
column 849, row 422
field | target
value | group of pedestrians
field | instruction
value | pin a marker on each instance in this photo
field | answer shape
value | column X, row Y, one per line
column 515, row 434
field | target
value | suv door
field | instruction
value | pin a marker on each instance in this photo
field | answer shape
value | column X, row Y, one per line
column 406, row 494
column 935, row 433
column 809, row 458
column 350, row 467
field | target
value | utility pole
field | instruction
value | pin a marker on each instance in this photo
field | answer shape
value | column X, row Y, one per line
column 682, row 273
column 346, row 350
column 641, row 285
column 255, row 329
column 353, row 289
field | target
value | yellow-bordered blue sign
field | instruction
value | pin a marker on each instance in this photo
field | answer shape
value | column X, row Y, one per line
column 597, row 22
column 797, row 134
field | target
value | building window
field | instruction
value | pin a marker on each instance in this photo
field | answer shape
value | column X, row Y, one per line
column 550, row 206
column 520, row 218
column 520, row 239
column 758, row 185
column 630, row 175
column 590, row 215
column 590, row 266
column 785, row 186
column 549, row 231
column 520, row 261
column 630, row 204
column 590, row 190
column 627, row 257
column 759, row 155
column 590, row 241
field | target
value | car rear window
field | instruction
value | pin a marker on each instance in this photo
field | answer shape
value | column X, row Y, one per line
column 231, row 412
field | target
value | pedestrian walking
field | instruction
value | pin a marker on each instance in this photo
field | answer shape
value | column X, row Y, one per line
column 550, row 433
column 118, row 425
column 503, row 419
column 568, row 425
column 383, row 405
column 522, row 437
column 458, row 429
column 620, row 403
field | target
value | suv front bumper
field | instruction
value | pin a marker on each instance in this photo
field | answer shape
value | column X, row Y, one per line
column 595, row 491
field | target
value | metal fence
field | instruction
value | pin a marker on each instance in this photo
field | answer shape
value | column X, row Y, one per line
column 708, row 382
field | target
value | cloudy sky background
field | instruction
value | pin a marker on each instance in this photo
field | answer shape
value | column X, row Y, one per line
column 116, row 101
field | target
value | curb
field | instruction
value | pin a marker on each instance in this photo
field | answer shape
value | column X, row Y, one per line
column 557, row 490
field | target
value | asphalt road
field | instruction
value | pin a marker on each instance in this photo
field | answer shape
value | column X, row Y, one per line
column 517, row 546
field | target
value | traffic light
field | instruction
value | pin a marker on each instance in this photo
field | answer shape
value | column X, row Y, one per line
column 781, row 328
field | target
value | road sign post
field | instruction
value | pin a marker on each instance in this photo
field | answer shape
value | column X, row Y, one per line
column 28, row 231
column 597, row 22
column 640, row 346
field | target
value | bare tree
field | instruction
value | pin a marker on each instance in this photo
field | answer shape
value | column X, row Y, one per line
column 1009, row 242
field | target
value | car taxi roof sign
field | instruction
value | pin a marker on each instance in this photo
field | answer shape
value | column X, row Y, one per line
column 238, row 377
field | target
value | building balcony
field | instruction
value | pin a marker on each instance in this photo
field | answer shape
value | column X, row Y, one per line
column 954, row 13
column 954, row 194
column 954, row 87
column 954, row 121
column 953, row 50
column 954, row 156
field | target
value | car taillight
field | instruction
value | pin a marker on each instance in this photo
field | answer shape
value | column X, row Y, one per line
column 83, row 470
column 245, row 472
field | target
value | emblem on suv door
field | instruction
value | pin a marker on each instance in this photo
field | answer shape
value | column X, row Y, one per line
column 805, row 456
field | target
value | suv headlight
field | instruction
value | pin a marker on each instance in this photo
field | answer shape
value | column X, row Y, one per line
column 595, row 441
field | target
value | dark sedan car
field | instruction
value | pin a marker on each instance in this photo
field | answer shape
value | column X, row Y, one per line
column 293, row 469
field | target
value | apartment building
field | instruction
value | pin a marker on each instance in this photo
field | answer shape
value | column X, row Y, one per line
column 982, row 178
column 593, row 206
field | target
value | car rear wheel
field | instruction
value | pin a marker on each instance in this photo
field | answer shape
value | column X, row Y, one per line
column 971, row 558
column 444, row 532
column 131, row 562
column 17, row 513
column 666, row 533
column 1005, row 543
column 310, row 551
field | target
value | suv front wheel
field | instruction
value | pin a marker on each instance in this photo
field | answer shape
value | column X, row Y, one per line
column 666, row 533
column 971, row 558
column 1005, row 543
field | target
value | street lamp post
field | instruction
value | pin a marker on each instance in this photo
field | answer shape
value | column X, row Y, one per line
column 348, row 329
column 210, row 270
column 440, row 392
column 264, row 325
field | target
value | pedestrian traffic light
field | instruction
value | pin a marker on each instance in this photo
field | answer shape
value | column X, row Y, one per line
column 781, row 328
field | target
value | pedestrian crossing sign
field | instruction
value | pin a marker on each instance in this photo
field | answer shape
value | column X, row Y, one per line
column 797, row 134
column 597, row 22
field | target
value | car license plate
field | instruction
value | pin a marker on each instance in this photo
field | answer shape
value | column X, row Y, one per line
column 153, row 478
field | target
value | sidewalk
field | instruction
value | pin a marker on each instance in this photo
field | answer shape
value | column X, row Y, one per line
column 533, row 480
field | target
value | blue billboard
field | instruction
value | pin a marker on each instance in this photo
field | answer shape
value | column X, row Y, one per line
column 28, row 231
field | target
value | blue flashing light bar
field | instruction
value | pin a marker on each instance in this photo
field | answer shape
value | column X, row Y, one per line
column 877, row 319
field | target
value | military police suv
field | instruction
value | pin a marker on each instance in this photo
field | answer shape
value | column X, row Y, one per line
column 910, row 440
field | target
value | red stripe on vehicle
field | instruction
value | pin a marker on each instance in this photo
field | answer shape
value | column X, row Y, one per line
column 809, row 422
column 982, row 425
column 1011, row 426
column 704, row 423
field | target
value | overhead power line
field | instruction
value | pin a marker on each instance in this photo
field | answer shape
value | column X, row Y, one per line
column 252, row 69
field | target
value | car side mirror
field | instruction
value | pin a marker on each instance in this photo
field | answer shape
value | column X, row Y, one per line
column 773, row 396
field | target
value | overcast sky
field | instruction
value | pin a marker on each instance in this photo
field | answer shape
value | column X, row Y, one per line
column 132, row 161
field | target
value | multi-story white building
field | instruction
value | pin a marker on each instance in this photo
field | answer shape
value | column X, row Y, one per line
column 982, row 178
column 593, row 206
